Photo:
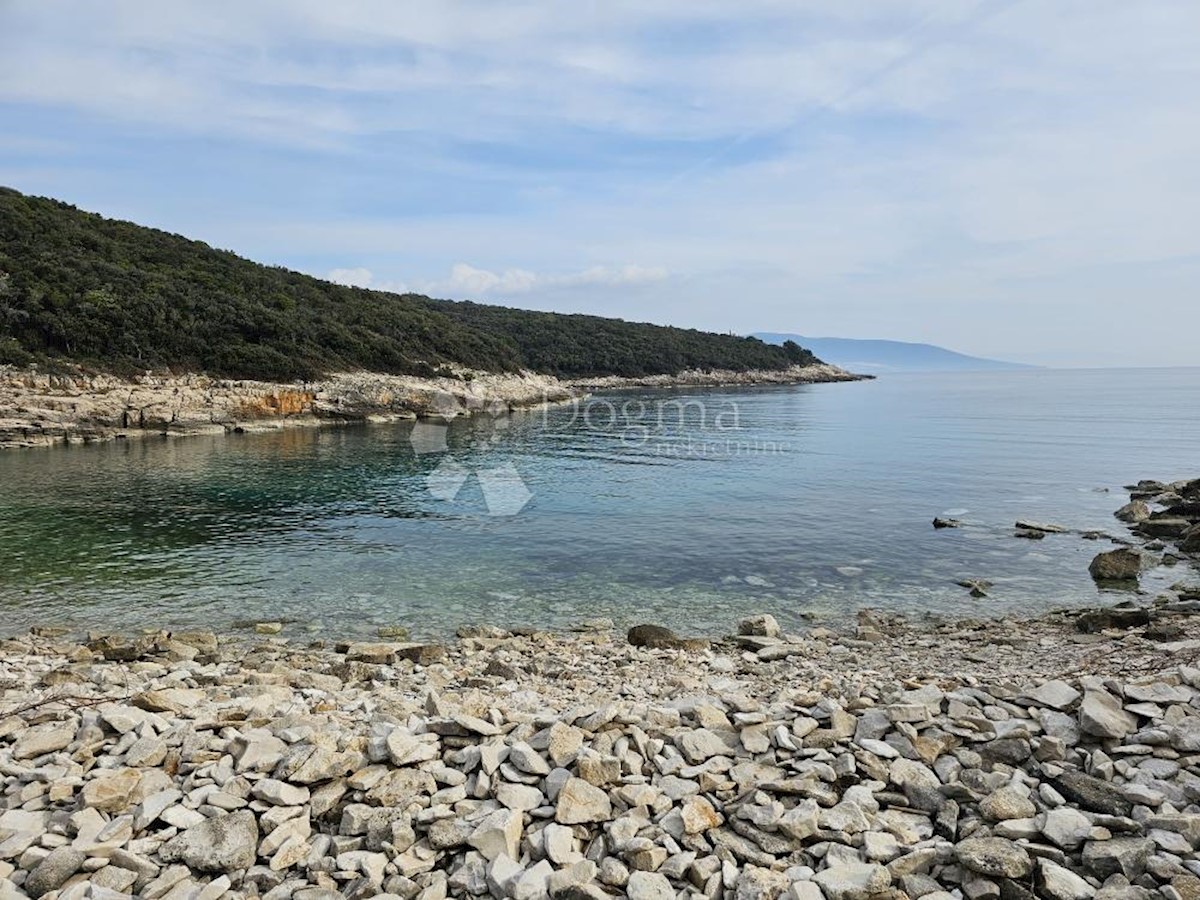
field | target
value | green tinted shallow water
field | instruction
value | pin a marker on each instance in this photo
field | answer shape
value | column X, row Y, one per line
column 689, row 509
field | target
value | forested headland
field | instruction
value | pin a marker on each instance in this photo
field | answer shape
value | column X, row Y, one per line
column 114, row 296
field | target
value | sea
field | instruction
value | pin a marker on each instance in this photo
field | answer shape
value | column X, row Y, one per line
column 689, row 508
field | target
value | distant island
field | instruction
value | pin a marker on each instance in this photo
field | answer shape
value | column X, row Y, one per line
column 878, row 357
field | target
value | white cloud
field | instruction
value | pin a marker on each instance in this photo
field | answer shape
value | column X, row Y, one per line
column 359, row 277
column 477, row 70
column 466, row 280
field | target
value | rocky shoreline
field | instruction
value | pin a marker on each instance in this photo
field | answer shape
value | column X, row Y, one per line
column 898, row 758
column 38, row 409
column 821, row 373
column 973, row 759
column 982, row 759
column 1163, row 519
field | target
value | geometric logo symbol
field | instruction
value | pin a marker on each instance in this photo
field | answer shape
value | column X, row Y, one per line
column 504, row 491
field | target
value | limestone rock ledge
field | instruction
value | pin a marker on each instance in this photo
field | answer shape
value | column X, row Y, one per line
column 39, row 409
column 819, row 373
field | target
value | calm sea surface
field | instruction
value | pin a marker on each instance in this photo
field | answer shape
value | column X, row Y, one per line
column 684, row 508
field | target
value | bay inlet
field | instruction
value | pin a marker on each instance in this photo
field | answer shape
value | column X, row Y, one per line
column 689, row 507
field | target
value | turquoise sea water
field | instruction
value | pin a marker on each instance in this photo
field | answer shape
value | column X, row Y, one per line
column 687, row 508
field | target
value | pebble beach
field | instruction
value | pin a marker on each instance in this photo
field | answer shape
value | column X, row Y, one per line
column 976, row 759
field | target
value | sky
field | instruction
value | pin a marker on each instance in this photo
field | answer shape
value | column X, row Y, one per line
column 1009, row 178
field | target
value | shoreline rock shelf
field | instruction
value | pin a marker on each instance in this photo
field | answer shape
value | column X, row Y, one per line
column 1176, row 518
column 1156, row 513
column 984, row 760
column 39, row 409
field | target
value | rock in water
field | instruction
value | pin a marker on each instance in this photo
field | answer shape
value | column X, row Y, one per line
column 1191, row 541
column 1147, row 487
column 1025, row 525
column 222, row 844
column 1164, row 526
column 1117, row 565
column 977, row 586
column 1133, row 512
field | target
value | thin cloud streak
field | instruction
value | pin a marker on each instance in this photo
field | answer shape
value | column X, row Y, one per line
column 467, row 280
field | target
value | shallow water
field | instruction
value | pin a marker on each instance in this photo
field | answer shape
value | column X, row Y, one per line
column 687, row 508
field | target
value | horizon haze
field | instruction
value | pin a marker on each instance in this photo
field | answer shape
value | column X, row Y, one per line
column 873, row 356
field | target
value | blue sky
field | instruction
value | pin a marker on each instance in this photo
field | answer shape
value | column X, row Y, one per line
column 1005, row 177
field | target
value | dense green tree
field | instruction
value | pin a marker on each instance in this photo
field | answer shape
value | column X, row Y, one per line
column 76, row 287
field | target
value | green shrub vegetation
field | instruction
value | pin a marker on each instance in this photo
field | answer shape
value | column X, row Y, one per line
column 79, row 288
